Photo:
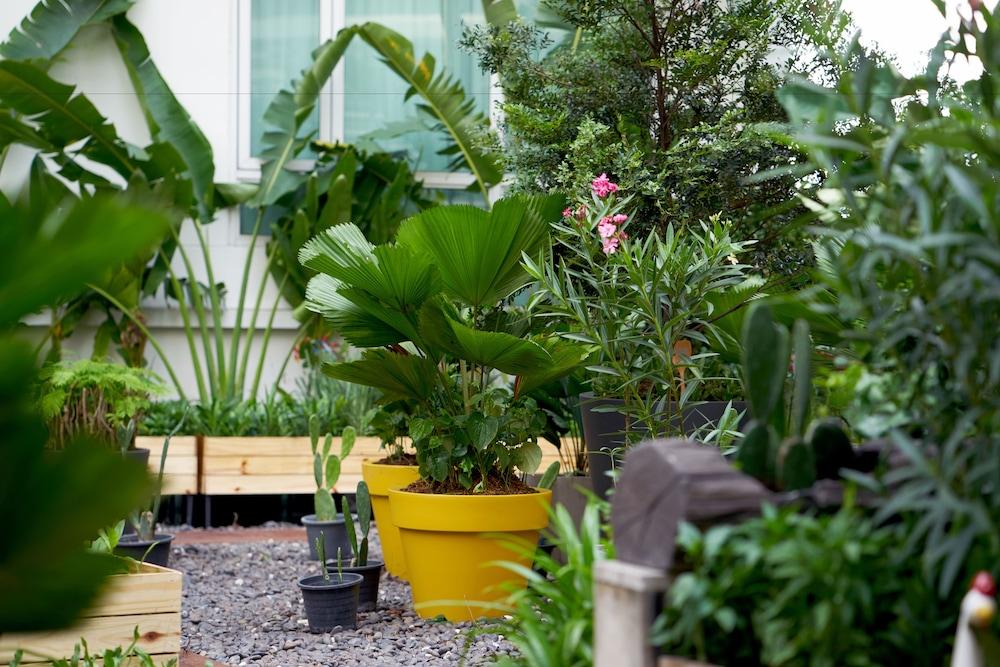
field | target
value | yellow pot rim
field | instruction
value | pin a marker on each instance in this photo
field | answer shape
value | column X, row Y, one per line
column 470, row 513
column 381, row 477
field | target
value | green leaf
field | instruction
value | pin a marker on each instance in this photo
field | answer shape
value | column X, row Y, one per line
column 482, row 430
column 314, row 432
column 549, row 478
column 324, row 506
column 444, row 100
column 352, row 536
column 169, row 122
column 398, row 376
column 62, row 117
column 802, row 389
column 332, row 471
column 363, row 503
column 564, row 358
column 53, row 24
column 765, row 361
column 287, row 114
column 529, row 457
column 318, row 470
column 478, row 253
column 499, row 12
column 347, row 438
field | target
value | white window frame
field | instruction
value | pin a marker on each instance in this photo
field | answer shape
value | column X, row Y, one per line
column 333, row 18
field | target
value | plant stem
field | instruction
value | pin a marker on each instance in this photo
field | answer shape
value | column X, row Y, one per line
column 252, row 329
column 213, row 292
column 149, row 336
column 199, row 310
column 266, row 340
column 189, row 334
column 234, row 343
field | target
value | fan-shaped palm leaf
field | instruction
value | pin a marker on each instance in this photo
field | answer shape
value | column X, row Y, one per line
column 398, row 376
column 478, row 253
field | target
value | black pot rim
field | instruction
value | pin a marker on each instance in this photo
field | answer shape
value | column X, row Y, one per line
column 310, row 584
column 158, row 538
column 310, row 520
column 372, row 565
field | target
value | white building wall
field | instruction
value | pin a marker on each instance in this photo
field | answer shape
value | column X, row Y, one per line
column 195, row 45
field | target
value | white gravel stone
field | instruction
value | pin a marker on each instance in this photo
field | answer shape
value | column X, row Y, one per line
column 242, row 607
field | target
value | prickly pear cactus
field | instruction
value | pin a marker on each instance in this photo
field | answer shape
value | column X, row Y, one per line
column 831, row 448
column 796, row 465
column 757, row 452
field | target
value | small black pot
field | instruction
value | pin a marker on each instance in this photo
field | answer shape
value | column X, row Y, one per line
column 334, row 536
column 372, row 574
column 331, row 604
column 133, row 547
column 139, row 454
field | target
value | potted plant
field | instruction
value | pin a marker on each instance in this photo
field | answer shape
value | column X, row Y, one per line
column 398, row 469
column 98, row 399
column 368, row 568
column 330, row 602
column 437, row 305
column 650, row 309
column 144, row 543
column 325, row 521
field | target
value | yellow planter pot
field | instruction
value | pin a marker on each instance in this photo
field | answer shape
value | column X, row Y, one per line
column 451, row 545
column 380, row 478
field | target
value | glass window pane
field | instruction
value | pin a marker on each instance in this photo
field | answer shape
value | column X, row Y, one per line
column 373, row 94
column 283, row 36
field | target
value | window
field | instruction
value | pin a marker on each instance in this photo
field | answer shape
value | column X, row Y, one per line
column 277, row 38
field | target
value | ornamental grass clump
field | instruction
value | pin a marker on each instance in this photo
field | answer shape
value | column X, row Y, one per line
column 436, row 311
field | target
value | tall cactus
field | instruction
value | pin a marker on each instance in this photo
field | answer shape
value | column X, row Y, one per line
column 775, row 448
column 326, row 468
column 363, row 503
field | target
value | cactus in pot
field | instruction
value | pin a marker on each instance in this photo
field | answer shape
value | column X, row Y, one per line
column 371, row 570
column 326, row 469
column 780, row 447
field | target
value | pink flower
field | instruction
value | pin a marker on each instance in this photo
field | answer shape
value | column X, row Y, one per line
column 602, row 186
column 567, row 212
column 609, row 245
column 619, row 218
column 606, row 229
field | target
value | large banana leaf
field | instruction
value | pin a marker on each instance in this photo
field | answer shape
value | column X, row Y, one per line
column 63, row 118
column 52, row 24
column 169, row 122
column 444, row 100
column 285, row 117
column 478, row 253
column 398, row 376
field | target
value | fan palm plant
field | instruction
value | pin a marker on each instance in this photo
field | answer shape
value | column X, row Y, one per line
column 433, row 309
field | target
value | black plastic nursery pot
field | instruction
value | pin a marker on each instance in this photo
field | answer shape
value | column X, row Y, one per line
column 139, row 454
column 334, row 536
column 371, row 574
column 604, row 431
column 331, row 604
column 133, row 547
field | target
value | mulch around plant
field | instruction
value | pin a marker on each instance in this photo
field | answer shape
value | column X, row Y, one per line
column 493, row 487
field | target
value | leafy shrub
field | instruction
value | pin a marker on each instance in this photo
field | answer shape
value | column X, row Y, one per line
column 93, row 398
column 797, row 589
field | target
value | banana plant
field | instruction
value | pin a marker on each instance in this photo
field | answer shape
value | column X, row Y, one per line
column 436, row 306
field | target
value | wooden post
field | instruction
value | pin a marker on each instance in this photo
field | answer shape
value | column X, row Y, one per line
column 624, row 610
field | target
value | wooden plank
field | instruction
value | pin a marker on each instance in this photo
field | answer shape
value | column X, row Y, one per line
column 158, row 633
column 624, row 609
column 153, row 590
column 180, row 472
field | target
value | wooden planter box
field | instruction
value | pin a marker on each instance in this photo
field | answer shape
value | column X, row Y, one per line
column 149, row 599
column 266, row 465
column 180, row 473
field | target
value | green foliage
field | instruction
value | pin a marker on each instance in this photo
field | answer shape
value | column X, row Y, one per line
column 93, row 398
column 911, row 249
column 549, row 476
column 51, row 25
column 437, row 304
column 130, row 656
column 776, row 449
column 321, row 552
column 667, row 99
column 363, row 504
column 634, row 302
column 551, row 620
column 795, row 589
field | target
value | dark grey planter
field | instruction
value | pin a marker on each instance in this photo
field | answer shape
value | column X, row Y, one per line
column 334, row 536
column 331, row 605
column 604, row 427
column 371, row 574
column 133, row 547
column 139, row 454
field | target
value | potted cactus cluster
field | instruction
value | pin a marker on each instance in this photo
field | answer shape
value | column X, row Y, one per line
column 369, row 569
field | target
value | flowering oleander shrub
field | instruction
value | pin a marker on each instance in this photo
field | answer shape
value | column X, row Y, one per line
column 646, row 304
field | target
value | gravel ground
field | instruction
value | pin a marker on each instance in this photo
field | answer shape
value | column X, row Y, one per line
column 242, row 607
